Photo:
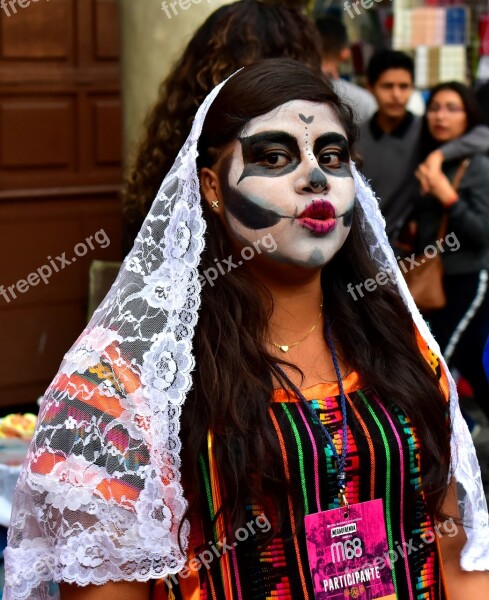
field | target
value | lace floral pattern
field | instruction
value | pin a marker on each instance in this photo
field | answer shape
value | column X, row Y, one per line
column 99, row 497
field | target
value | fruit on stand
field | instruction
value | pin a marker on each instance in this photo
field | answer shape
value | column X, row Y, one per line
column 18, row 425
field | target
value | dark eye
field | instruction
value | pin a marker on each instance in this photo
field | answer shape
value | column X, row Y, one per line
column 330, row 159
column 275, row 159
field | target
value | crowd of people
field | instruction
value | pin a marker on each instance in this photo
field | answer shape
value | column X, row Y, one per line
column 411, row 163
column 193, row 427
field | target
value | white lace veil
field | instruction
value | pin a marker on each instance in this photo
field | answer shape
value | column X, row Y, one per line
column 99, row 497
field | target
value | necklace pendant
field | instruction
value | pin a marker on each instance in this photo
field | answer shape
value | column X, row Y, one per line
column 284, row 348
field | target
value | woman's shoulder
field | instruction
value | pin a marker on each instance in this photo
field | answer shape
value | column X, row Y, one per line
column 476, row 176
column 478, row 165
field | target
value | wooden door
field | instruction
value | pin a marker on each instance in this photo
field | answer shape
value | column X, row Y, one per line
column 60, row 176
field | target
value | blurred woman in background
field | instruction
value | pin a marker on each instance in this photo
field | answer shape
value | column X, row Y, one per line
column 234, row 36
column 462, row 326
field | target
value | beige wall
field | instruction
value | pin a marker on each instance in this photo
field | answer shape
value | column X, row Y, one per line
column 152, row 39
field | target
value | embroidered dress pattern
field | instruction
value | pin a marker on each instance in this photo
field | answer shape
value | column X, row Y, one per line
column 383, row 461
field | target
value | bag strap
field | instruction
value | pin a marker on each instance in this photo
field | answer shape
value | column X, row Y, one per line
column 457, row 178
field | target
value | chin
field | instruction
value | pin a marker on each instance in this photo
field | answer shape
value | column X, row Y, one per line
column 395, row 114
column 302, row 262
column 316, row 260
column 443, row 138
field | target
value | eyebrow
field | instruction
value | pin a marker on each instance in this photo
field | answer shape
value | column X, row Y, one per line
column 280, row 137
column 454, row 104
column 331, row 138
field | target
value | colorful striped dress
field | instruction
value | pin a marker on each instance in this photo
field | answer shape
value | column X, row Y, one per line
column 383, row 461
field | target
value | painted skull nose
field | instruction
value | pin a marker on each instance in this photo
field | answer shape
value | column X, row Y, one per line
column 317, row 180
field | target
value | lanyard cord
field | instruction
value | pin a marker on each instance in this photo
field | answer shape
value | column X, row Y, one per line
column 340, row 460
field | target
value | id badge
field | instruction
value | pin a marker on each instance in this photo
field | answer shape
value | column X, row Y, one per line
column 348, row 553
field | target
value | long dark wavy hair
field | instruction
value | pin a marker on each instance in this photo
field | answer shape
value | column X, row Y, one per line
column 471, row 106
column 233, row 386
column 233, row 36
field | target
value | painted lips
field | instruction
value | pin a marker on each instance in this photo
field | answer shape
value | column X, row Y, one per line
column 319, row 217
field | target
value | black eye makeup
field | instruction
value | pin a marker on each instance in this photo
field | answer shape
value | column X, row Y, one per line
column 269, row 154
column 333, row 154
column 277, row 153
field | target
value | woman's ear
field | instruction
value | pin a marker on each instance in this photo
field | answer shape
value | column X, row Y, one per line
column 211, row 189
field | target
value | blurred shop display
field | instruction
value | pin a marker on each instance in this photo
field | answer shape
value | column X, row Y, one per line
column 448, row 39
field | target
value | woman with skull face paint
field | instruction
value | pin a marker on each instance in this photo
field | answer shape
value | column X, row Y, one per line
column 303, row 406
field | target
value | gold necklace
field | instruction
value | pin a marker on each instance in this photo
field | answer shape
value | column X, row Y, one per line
column 286, row 348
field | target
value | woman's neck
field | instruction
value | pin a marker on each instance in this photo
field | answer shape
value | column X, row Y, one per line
column 297, row 323
column 296, row 310
column 297, row 298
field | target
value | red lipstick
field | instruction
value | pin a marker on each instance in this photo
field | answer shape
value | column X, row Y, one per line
column 319, row 217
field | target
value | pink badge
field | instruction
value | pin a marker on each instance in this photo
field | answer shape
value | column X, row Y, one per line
column 348, row 555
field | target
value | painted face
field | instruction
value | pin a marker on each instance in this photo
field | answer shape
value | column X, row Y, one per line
column 289, row 175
